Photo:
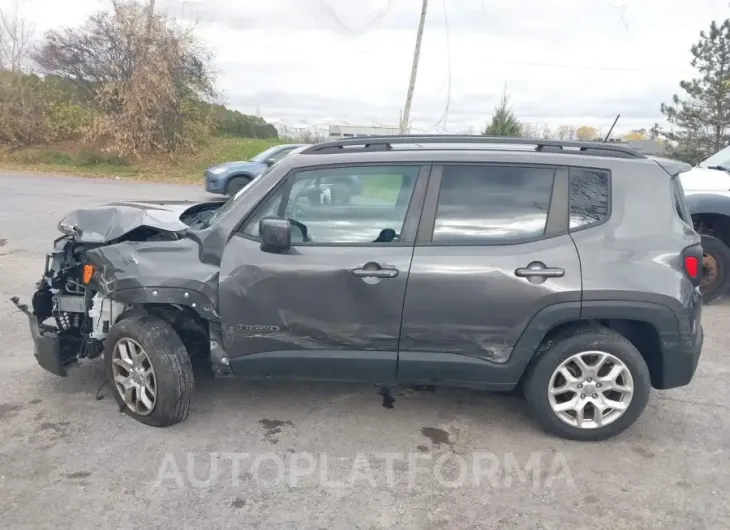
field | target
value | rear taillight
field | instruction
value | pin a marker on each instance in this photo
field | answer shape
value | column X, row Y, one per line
column 692, row 266
column 692, row 263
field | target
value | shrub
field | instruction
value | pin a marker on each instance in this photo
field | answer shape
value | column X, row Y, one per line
column 91, row 157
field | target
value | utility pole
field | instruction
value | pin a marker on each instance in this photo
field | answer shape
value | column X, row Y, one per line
column 150, row 16
column 414, row 70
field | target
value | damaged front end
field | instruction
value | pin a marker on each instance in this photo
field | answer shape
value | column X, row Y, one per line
column 75, row 302
column 61, row 312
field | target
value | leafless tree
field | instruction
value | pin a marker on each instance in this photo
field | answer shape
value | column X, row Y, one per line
column 22, row 110
column 566, row 132
column 15, row 35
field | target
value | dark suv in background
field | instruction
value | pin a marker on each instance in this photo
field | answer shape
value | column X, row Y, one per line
column 568, row 271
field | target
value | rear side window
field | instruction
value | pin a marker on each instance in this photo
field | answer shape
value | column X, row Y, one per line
column 589, row 197
column 492, row 204
column 680, row 201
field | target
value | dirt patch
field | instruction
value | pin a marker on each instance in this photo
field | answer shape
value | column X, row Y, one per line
column 8, row 410
column 438, row 437
column 273, row 429
column 79, row 474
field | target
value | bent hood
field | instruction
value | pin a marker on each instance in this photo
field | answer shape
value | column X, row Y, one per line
column 106, row 223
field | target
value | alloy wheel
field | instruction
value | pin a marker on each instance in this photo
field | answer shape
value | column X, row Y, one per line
column 591, row 389
column 134, row 376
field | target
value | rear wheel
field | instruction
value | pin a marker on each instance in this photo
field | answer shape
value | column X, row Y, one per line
column 149, row 370
column 715, row 268
column 236, row 184
column 587, row 384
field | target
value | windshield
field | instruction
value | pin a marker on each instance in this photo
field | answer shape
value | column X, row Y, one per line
column 719, row 159
column 265, row 155
column 220, row 212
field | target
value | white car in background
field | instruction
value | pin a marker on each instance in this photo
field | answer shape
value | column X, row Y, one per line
column 707, row 188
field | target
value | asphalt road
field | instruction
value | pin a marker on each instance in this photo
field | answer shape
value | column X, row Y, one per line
column 279, row 455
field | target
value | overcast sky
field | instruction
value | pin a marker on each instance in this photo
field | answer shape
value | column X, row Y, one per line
column 348, row 61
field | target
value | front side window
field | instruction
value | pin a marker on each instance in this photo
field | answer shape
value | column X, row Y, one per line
column 354, row 204
column 589, row 197
column 492, row 204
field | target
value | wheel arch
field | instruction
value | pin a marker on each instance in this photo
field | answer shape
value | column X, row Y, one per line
column 239, row 174
column 191, row 299
column 191, row 327
column 711, row 215
column 652, row 328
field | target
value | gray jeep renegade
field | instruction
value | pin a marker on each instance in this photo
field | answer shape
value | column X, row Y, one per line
column 566, row 271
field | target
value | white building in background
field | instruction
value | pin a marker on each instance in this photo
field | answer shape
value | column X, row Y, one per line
column 352, row 131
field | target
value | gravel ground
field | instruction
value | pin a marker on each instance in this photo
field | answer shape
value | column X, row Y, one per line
column 326, row 455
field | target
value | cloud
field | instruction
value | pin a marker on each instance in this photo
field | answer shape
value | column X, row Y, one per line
column 319, row 61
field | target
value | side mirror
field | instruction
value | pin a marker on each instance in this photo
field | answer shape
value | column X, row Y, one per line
column 275, row 233
column 270, row 162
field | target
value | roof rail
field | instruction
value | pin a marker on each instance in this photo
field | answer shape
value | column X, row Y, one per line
column 385, row 143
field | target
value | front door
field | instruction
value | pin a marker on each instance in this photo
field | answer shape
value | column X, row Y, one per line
column 331, row 306
column 492, row 251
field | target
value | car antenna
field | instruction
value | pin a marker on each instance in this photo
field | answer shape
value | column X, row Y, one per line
column 611, row 129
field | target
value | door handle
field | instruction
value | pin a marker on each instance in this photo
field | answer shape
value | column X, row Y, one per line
column 374, row 273
column 542, row 272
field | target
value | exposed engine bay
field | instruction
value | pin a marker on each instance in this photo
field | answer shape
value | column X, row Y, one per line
column 72, row 302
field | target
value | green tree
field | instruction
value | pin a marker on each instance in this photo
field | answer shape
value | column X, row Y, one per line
column 233, row 123
column 700, row 119
column 586, row 133
column 504, row 122
column 636, row 134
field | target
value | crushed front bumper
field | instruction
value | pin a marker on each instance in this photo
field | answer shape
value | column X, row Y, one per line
column 46, row 343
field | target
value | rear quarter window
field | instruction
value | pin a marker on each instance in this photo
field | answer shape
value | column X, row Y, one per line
column 589, row 197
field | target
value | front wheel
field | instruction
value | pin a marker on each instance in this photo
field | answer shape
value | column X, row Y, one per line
column 587, row 384
column 149, row 370
column 715, row 268
column 236, row 184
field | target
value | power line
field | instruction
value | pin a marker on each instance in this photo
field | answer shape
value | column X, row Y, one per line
column 590, row 67
column 380, row 16
column 622, row 9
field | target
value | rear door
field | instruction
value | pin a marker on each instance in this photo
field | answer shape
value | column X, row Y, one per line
column 493, row 249
column 331, row 306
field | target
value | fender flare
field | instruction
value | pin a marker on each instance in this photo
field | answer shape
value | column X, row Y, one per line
column 191, row 298
column 659, row 316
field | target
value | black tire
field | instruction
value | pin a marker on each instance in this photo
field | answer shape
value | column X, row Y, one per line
column 171, row 363
column 718, row 252
column 559, row 348
column 236, row 184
